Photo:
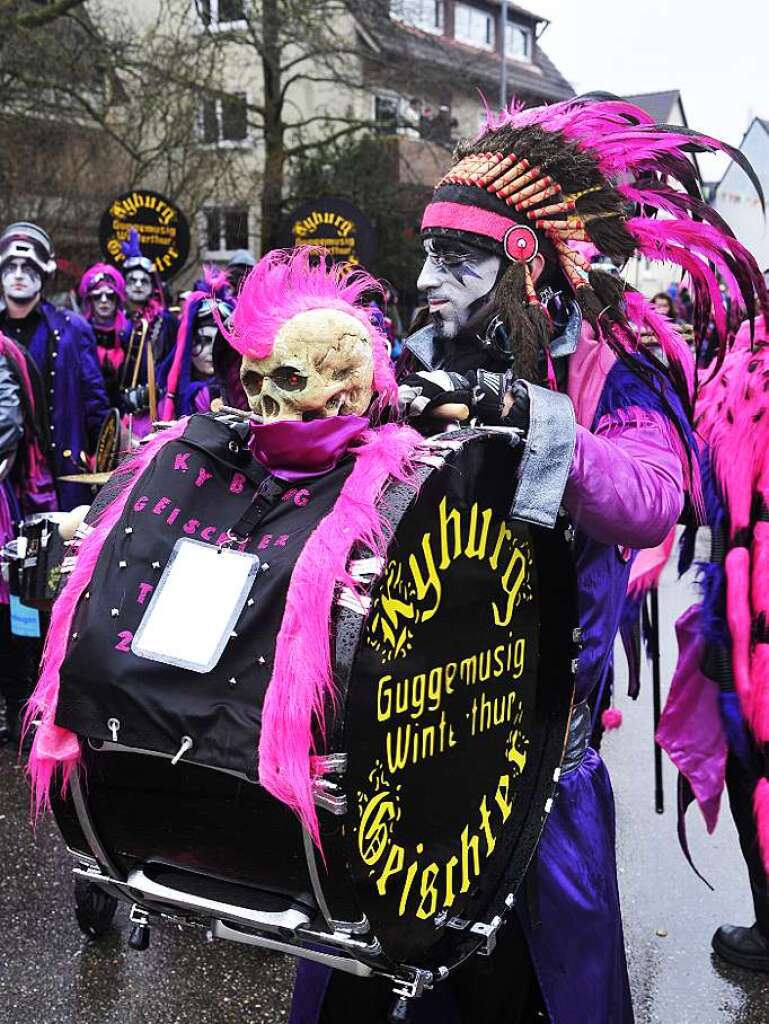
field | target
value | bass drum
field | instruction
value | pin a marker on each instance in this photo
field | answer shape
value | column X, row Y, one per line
column 454, row 664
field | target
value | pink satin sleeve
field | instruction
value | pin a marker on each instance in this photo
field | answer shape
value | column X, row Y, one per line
column 625, row 485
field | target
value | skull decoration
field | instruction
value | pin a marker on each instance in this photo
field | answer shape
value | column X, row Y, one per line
column 321, row 365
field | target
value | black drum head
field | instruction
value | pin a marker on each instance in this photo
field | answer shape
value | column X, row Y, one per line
column 456, row 713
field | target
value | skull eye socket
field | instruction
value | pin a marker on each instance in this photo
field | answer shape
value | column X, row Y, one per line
column 252, row 382
column 287, row 378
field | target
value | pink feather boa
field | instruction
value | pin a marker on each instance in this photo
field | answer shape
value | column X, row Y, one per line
column 302, row 684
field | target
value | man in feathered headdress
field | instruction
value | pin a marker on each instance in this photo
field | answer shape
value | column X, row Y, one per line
column 524, row 334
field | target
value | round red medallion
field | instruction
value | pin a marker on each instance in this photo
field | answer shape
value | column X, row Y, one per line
column 520, row 243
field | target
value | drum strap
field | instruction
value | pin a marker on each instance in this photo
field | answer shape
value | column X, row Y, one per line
column 578, row 739
column 268, row 494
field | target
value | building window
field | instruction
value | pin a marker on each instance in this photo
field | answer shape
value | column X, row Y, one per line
column 225, row 119
column 226, row 229
column 474, row 26
column 425, row 14
column 386, row 114
column 518, row 41
column 220, row 13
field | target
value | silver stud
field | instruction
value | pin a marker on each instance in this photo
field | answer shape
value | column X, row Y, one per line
column 234, row 635
column 129, row 529
column 262, row 659
column 232, row 681
column 87, row 595
column 114, row 613
column 74, row 636
column 265, row 566
column 156, row 565
column 250, row 602
column 122, row 564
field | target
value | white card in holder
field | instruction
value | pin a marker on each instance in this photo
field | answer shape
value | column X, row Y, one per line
column 195, row 605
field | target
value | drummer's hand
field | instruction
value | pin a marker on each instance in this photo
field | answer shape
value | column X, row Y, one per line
column 438, row 394
column 68, row 527
column 499, row 400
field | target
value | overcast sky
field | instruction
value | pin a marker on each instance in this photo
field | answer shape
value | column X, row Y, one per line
column 715, row 53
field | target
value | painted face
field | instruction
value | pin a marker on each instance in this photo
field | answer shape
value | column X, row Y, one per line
column 103, row 302
column 21, row 280
column 202, row 352
column 138, row 285
column 458, row 280
column 321, row 365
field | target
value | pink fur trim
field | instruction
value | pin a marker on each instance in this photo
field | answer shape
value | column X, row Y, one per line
column 737, row 566
column 285, row 283
column 611, row 718
column 761, row 812
column 54, row 747
column 302, row 684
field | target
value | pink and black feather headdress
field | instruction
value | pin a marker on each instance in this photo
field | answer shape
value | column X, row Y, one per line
column 595, row 170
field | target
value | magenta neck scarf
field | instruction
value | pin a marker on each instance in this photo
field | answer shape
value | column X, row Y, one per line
column 293, row 449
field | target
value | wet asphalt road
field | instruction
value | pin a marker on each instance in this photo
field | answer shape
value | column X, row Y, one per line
column 50, row 974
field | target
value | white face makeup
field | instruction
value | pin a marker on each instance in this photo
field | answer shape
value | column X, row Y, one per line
column 138, row 285
column 103, row 302
column 21, row 280
column 458, row 280
column 202, row 352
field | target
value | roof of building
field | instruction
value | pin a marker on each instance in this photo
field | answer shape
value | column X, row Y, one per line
column 539, row 79
column 659, row 105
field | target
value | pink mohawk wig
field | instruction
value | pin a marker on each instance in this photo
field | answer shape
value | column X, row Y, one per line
column 287, row 282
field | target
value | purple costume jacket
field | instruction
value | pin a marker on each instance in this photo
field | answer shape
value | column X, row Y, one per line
column 64, row 350
column 624, row 492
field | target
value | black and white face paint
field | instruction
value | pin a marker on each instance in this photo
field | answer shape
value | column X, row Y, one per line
column 138, row 285
column 458, row 281
column 202, row 352
column 21, row 280
column 103, row 302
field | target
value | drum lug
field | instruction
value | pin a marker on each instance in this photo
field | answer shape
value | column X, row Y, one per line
column 414, row 987
column 139, row 936
column 330, row 764
column 329, row 796
column 488, row 932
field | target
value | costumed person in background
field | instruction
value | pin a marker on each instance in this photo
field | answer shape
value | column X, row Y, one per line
column 241, row 262
column 26, row 488
column 102, row 296
column 62, row 347
column 715, row 726
column 526, row 336
column 186, row 377
column 153, row 333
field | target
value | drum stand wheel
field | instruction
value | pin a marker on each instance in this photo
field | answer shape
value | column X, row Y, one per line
column 94, row 908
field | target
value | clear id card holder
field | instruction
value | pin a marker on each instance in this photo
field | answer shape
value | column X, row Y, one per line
column 195, row 605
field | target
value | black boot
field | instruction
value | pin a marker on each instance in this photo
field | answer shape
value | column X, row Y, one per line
column 743, row 947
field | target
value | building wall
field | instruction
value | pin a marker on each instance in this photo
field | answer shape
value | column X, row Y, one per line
column 736, row 198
